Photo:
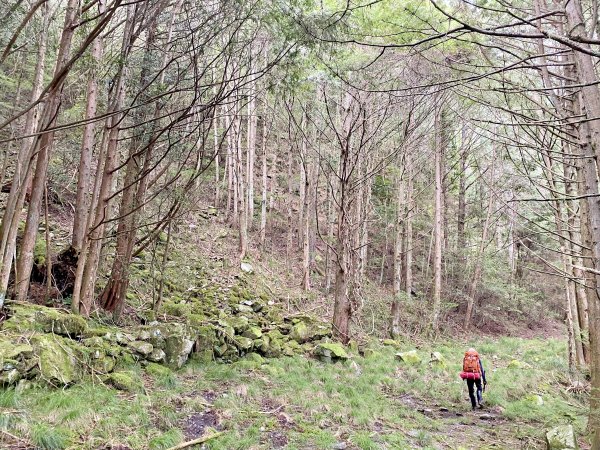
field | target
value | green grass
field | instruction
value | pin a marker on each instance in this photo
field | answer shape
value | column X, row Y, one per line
column 369, row 403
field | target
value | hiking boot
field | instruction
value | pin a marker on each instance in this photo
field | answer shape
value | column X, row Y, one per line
column 480, row 406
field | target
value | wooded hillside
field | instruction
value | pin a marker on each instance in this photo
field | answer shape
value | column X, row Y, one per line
column 403, row 168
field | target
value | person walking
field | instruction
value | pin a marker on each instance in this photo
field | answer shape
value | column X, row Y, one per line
column 474, row 373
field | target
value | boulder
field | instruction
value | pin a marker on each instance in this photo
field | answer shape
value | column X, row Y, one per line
column 253, row 333
column 226, row 329
column 15, row 357
column 535, row 399
column 516, row 364
column 54, row 321
column 243, row 343
column 391, row 343
column 178, row 347
column 254, row 357
column 124, row 381
column 158, row 370
column 308, row 329
column 205, row 342
column 59, row 362
column 437, row 360
column 238, row 323
column 24, row 317
column 141, row 347
column 411, row 357
column 157, row 355
column 300, row 332
column 102, row 363
column 561, row 438
column 246, row 267
column 331, row 351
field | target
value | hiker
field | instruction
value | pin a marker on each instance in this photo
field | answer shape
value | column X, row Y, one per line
column 474, row 374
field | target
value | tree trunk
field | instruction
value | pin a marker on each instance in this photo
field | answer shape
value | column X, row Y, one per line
column 461, row 240
column 87, row 264
column 82, row 201
column 23, row 167
column 251, row 139
column 43, row 145
column 438, row 220
column 263, row 202
column 480, row 255
column 408, row 231
column 397, row 283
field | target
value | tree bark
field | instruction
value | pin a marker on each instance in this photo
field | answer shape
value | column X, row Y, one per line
column 23, row 167
column 438, row 220
column 43, row 145
column 82, row 201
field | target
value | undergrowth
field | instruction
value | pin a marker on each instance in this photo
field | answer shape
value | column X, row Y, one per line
column 299, row 403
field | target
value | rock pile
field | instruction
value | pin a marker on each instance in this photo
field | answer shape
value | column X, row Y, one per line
column 55, row 346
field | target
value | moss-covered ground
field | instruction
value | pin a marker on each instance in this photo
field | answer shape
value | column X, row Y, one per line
column 376, row 402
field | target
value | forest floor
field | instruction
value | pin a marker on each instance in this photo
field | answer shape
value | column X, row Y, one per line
column 376, row 402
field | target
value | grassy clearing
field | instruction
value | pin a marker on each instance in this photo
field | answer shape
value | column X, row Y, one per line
column 300, row 403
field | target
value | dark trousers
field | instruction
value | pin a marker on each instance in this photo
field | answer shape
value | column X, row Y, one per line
column 471, row 384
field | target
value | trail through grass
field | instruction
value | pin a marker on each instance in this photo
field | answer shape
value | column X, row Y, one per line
column 301, row 403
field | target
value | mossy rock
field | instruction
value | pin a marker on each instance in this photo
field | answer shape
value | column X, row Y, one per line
column 206, row 340
column 331, row 351
column 28, row 317
column 146, row 316
column 15, row 361
column 411, row 357
column 141, row 347
column 561, row 438
column 391, row 343
column 226, row 329
column 102, row 363
column 196, row 320
column 238, row 323
column 103, row 345
column 243, row 343
column 59, row 360
column 300, row 332
column 254, row 357
column 178, row 346
column 220, row 349
column 437, row 360
column 157, row 355
column 253, row 333
column 158, row 370
column 125, row 381
column 516, row 364
column 54, row 321
column 177, row 309
column 99, row 331
column 272, row 345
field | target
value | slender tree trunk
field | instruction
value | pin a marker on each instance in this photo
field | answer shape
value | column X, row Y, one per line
column 480, row 256
column 241, row 197
column 23, row 167
column 330, row 230
column 397, row 283
column 82, row 201
column 87, row 265
column 43, row 146
column 438, row 220
column 408, row 230
column 251, row 139
column 263, row 203
column 461, row 240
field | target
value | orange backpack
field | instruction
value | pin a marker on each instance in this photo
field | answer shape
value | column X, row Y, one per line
column 471, row 362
